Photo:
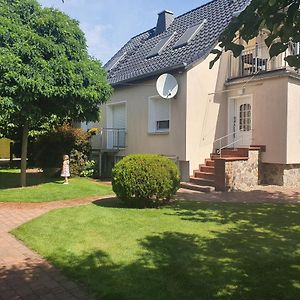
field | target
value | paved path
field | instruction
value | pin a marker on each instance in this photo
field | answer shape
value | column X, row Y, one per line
column 23, row 273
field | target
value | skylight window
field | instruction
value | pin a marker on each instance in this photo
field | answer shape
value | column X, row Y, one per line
column 115, row 61
column 188, row 36
column 161, row 45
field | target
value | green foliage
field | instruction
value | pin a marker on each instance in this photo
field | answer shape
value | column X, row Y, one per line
column 44, row 65
column 45, row 70
column 145, row 179
column 280, row 17
column 77, row 162
column 88, row 169
column 51, row 147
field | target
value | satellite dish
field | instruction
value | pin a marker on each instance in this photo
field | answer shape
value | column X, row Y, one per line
column 167, row 86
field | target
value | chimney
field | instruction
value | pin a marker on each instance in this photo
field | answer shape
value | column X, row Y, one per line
column 165, row 19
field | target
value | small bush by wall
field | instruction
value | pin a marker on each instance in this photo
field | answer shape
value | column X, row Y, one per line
column 145, row 179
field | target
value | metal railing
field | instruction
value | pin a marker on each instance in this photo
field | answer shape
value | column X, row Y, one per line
column 256, row 59
column 219, row 141
column 112, row 138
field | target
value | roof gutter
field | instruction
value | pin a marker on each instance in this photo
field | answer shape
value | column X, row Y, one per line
column 148, row 75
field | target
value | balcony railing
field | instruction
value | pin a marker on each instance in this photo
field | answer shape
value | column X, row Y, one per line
column 255, row 60
column 110, row 139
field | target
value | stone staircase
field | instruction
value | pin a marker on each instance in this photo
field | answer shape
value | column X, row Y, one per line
column 204, row 178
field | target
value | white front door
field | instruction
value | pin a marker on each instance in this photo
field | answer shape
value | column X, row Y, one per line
column 240, row 121
column 243, row 122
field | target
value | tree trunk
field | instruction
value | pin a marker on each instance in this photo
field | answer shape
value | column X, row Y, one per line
column 24, row 153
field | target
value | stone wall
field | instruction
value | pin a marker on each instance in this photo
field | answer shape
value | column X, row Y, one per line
column 279, row 174
column 242, row 174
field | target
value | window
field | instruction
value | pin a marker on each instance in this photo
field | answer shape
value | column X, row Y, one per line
column 245, row 117
column 116, row 125
column 188, row 36
column 158, row 115
column 161, row 45
column 162, row 125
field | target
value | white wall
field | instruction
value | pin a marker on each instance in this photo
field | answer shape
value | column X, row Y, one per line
column 293, row 122
column 139, row 139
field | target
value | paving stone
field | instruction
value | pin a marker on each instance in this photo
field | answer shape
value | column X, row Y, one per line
column 23, row 273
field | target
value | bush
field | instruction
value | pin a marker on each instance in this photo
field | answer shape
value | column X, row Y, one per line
column 88, row 169
column 145, row 179
column 50, row 148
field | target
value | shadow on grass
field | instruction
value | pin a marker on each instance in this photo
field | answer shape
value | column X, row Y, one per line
column 258, row 258
column 273, row 216
column 10, row 180
column 112, row 202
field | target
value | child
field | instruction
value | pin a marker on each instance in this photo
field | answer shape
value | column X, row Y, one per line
column 65, row 172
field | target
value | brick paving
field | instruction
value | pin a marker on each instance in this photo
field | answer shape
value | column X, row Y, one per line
column 23, row 273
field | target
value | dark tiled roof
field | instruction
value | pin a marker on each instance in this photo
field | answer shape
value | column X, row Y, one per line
column 135, row 63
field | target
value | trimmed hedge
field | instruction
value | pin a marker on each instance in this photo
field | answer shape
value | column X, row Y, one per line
column 145, row 179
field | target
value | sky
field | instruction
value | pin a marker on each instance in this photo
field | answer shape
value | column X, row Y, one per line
column 109, row 24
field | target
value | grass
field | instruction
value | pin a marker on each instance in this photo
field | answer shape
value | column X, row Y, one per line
column 184, row 251
column 44, row 189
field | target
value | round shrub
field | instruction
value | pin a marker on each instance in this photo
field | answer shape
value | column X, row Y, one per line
column 145, row 179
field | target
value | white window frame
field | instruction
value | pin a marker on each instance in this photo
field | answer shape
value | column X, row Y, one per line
column 109, row 119
column 108, row 113
column 152, row 121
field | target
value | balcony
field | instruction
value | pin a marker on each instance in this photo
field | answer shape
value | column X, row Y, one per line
column 110, row 139
column 256, row 60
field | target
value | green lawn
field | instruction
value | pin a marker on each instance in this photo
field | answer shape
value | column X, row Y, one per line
column 184, row 251
column 44, row 189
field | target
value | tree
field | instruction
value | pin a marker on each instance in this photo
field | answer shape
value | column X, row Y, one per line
column 280, row 17
column 45, row 70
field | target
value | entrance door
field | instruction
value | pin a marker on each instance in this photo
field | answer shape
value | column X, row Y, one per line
column 242, row 122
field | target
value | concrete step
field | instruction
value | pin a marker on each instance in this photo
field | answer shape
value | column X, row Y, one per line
column 207, row 169
column 204, row 175
column 209, row 163
column 202, row 182
column 196, row 187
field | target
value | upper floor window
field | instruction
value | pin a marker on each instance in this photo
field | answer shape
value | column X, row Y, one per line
column 159, row 115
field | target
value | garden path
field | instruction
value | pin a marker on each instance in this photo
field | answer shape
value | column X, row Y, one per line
column 23, row 273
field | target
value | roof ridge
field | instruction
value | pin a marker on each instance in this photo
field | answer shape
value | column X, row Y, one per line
column 188, row 12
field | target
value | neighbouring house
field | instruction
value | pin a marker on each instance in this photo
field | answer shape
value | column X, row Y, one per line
column 230, row 127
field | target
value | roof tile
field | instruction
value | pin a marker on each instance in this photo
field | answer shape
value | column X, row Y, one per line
column 135, row 63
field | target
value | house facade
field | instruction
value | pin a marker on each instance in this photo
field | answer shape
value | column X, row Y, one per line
column 239, row 121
